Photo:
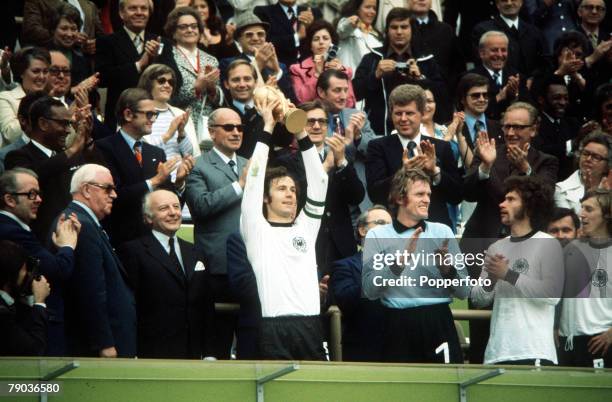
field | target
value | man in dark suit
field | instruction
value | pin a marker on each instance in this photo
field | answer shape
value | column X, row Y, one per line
column 473, row 99
column 288, row 23
column 397, row 62
column 20, row 199
column 361, row 318
column 100, row 307
column 506, row 85
column 251, row 35
column 472, row 12
column 407, row 148
column 336, row 238
column 526, row 47
column 47, row 155
column 122, row 56
column 174, row 304
column 213, row 193
column 136, row 166
column 484, row 184
column 438, row 38
column 591, row 14
column 240, row 82
column 556, row 131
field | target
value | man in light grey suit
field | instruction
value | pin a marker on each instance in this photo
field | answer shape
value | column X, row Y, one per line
column 214, row 192
column 333, row 87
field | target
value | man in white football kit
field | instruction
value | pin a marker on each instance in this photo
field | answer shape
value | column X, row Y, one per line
column 281, row 247
column 526, row 269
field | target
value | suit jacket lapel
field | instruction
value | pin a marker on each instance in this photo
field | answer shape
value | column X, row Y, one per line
column 124, row 153
column 396, row 151
column 189, row 258
column 127, row 46
column 156, row 251
column 218, row 163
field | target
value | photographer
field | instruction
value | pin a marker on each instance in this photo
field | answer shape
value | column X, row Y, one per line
column 396, row 62
column 24, row 328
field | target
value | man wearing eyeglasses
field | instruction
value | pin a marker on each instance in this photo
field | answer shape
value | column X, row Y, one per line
column 137, row 166
column 48, row 155
column 100, row 307
column 336, row 239
column 484, row 184
column 591, row 14
column 20, row 201
column 213, row 194
column 361, row 318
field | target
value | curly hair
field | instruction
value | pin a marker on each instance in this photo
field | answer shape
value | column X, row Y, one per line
column 536, row 196
column 174, row 17
column 312, row 29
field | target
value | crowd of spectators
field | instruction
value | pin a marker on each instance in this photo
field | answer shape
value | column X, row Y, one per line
column 472, row 126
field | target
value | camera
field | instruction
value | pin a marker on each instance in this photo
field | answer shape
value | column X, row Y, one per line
column 331, row 53
column 402, row 67
column 33, row 273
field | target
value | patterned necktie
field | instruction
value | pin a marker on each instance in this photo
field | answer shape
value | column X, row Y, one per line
column 411, row 146
column 174, row 257
column 138, row 152
column 232, row 166
column 138, row 44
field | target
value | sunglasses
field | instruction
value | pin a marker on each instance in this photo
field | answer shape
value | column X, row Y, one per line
column 108, row 188
column 55, row 71
column 477, row 95
column 164, row 80
column 311, row 122
column 151, row 116
column 229, row 127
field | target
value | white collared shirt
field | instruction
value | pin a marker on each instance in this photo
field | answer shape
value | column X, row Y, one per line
column 46, row 151
column 133, row 35
column 89, row 212
column 226, row 160
column 500, row 80
column 241, row 106
column 405, row 141
column 16, row 219
column 164, row 240
column 511, row 23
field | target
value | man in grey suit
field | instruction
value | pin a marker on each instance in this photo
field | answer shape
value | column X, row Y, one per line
column 214, row 192
column 332, row 87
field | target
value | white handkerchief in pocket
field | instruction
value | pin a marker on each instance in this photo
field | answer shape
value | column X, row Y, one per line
column 199, row 266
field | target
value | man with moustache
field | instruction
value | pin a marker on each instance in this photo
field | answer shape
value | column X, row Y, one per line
column 136, row 166
column 174, row 304
column 525, row 281
column 47, row 155
column 484, row 184
column 214, row 191
column 100, row 307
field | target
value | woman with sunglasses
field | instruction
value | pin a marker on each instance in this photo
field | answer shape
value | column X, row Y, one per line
column 594, row 170
column 197, row 73
column 30, row 69
column 173, row 130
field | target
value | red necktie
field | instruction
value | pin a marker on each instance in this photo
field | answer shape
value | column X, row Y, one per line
column 138, row 152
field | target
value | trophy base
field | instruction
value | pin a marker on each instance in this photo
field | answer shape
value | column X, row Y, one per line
column 295, row 121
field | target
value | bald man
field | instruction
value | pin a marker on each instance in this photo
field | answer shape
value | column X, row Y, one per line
column 214, row 192
column 174, row 305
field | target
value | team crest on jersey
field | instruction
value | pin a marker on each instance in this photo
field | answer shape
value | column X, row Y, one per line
column 300, row 244
column 599, row 278
column 521, row 266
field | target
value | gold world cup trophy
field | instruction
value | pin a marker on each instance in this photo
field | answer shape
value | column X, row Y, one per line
column 293, row 118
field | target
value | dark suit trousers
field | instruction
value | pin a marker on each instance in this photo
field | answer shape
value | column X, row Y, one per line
column 225, row 323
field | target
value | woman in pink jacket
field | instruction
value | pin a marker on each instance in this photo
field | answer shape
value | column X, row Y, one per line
column 316, row 46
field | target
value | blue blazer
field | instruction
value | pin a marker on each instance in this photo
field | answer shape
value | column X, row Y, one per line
column 362, row 319
column 100, row 307
column 57, row 268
